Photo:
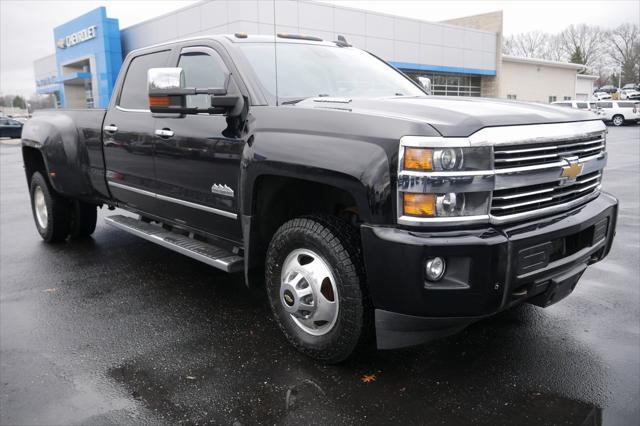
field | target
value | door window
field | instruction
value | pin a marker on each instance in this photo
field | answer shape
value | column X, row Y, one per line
column 605, row 104
column 135, row 94
column 202, row 70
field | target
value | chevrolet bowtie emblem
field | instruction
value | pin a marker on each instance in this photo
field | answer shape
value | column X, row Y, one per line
column 572, row 170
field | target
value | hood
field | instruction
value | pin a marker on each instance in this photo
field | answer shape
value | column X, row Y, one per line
column 454, row 116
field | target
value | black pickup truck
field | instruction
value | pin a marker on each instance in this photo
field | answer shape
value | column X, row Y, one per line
column 369, row 209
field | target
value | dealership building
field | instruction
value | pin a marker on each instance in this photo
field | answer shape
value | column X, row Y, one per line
column 461, row 56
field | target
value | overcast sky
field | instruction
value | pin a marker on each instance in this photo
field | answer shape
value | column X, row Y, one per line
column 26, row 26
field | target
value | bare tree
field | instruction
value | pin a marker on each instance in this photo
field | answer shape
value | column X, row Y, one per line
column 554, row 50
column 588, row 39
column 531, row 44
column 535, row 44
column 624, row 50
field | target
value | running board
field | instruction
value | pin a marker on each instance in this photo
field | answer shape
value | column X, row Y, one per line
column 199, row 250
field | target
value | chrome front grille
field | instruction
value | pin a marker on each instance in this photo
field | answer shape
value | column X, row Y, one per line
column 533, row 197
column 538, row 170
column 509, row 156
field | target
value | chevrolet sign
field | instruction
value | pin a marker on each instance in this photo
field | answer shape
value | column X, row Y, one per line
column 77, row 37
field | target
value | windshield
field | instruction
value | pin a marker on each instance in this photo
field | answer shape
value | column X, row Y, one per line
column 308, row 70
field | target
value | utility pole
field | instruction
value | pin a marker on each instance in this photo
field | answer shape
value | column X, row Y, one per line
column 620, row 78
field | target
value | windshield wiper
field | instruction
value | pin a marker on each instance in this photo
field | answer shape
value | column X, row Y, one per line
column 293, row 101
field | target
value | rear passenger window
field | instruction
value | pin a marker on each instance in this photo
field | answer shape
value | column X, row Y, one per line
column 605, row 104
column 582, row 105
column 134, row 90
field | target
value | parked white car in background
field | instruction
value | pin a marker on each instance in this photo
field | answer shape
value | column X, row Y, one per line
column 599, row 96
column 629, row 94
column 591, row 106
column 619, row 112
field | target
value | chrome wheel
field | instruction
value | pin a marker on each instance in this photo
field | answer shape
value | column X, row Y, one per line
column 40, row 207
column 617, row 120
column 308, row 292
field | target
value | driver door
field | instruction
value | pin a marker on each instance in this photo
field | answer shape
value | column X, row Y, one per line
column 197, row 158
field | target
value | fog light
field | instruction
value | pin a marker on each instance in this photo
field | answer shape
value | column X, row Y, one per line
column 435, row 268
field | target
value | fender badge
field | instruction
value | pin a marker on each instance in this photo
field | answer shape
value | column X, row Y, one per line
column 222, row 190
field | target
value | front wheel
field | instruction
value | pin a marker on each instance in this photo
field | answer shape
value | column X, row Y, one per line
column 315, row 282
column 617, row 120
column 50, row 211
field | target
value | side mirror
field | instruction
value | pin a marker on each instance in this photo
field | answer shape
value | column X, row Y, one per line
column 167, row 94
column 426, row 84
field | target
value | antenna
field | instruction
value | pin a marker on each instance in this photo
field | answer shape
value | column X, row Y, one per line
column 275, row 50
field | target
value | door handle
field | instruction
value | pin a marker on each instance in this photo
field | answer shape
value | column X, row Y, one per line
column 110, row 128
column 164, row 133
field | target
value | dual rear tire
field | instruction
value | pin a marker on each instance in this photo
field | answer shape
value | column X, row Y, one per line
column 57, row 218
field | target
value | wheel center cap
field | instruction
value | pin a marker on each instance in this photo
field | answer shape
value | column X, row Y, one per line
column 288, row 298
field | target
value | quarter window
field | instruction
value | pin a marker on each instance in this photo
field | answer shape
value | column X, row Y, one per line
column 626, row 104
column 582, row 105
column 134, row 90
column 202, row 70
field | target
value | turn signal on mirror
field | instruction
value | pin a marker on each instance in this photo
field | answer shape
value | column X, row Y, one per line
column 159, row 101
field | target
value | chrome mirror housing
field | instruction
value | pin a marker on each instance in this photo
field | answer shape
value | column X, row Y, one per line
column 164, row 81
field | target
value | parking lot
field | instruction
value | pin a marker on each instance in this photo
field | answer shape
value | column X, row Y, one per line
column 117, row 330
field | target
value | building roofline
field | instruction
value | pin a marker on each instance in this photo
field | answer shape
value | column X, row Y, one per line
column 588, row 76
column 545, row 62
column 322, row 3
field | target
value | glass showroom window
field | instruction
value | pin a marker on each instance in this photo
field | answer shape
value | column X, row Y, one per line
column 445, row 84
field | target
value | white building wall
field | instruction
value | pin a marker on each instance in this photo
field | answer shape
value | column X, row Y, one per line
column 536, row 82
column 435, row 46
column 584, row 86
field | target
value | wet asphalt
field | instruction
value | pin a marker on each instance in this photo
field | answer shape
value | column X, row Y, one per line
column 117, row 330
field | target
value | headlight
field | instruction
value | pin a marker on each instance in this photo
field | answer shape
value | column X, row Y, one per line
column 445, row 205
column 447, row 159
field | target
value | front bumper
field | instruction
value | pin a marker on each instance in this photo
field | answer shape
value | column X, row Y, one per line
column 488, row 270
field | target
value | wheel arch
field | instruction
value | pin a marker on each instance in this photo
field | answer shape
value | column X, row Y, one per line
column 273, row 199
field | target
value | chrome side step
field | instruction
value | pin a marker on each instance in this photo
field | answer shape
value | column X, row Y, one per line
column 199, row 250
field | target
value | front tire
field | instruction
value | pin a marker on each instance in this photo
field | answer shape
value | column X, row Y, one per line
column 316, row 287
column 50, row 211
column 617, row 120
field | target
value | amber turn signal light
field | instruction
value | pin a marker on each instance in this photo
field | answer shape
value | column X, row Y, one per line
column 423, row 205
column 418, row 159
column 159, row 101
